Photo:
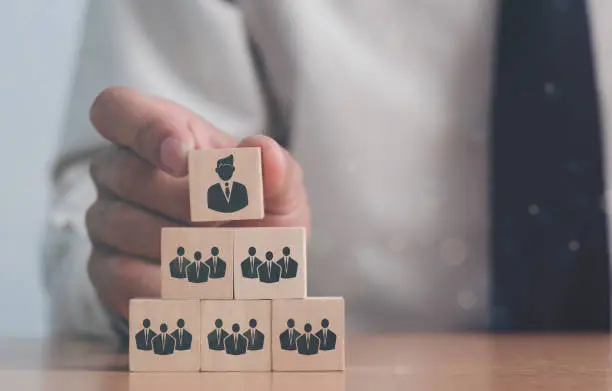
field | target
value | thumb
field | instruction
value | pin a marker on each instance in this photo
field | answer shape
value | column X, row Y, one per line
column 285, row 199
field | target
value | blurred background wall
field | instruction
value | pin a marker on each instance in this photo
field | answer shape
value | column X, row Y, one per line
column 38, row 40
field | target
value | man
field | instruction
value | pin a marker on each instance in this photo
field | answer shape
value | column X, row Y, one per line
column 269, row 272
column 215, row 264
column 249, row 265
column 289, row 266
column 235, row 343
column 229, row 196
column 217, row 337
column 255, row 338
column 144, row 336
column 179, row 264
column 197, row 271
column 307, row 343
column 326, row 336
column 345, row 91
column 289, row 336
column 181, row 336
column 163, row 344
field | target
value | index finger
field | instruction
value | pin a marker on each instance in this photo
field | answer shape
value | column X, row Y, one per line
column 159, row 131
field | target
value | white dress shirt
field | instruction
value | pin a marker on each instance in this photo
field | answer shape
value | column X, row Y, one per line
column 386, row 104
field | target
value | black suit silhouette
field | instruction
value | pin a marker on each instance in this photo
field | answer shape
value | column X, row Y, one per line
column 235, row 344
column 247, row 270
column 328, row 340
column 308, row 344
column 216, row 338
column 218, row 270
column 289, row 267
column 177, row 269
column 163, row 346
column 183, row 340
column 143, row 339
column 238, row 198
column 255, row 339
column 195, row 276
column 269, row 272
column 288, row 338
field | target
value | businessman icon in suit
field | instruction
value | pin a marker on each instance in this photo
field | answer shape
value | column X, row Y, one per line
column 326, row 336
column 197, row 271
column 181, row 336
column 215, row 264
column 227, row 196
column 288, row 265
column 163, row 343
column 269, row 272
column 144, row 336
column 307, row 343
column 235, row 343
column 289, row 336
column 179, row 264
column 217, row 336
column 255, row 338
column 249, row 266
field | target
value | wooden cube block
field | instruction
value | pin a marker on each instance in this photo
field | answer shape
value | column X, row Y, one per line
column 197, row 263
column 164, row 335
column 226, row 184
column 270, row 263
column 236, row 335
column 308, row 334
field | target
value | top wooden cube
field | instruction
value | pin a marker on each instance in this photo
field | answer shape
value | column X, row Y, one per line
column 226, row 184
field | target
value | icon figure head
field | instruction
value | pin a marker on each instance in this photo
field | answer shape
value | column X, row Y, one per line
column 252, row 251
column 235, row 327
column 163, row 327
column 291, row 323
column 325, row 323
column 197, row 255
column 269, row 255
column 180, row 251
column 308, row 327
column 218, row 323
column 252, row 323
column 214, row 251
column 146, row 323
column 286, row 251
column 225, row 167
column 180, row 323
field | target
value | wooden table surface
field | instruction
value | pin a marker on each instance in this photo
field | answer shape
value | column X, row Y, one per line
column 418, row 362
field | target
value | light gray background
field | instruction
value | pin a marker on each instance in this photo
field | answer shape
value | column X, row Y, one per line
column 38, row 40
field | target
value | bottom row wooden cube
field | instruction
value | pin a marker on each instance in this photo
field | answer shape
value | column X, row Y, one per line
column 237, row 335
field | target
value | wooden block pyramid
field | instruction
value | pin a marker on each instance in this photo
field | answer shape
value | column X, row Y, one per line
column 234, row 299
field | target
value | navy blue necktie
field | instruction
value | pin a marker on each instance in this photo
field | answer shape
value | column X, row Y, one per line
column 549, row 249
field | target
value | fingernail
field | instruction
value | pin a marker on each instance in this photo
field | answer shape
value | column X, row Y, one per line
column 174, row 155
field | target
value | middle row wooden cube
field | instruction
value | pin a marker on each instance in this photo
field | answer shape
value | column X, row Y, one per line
column 233, row 263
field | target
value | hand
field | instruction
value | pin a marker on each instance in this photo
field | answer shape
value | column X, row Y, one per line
column 142, row 187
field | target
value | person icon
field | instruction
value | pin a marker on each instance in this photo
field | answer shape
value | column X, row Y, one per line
column 163, row 344
column 307, row 343
column 181, row 336
column 144, row 336
column 217, row 336
column 326, row 336
column 215, row 264
column 289, row 266
column 197, row 271
column 249, row 266
column 255, row 338
column 235, row 343
column 179, row 264
column 269, row 272
column 227, row 196
column 289, row 336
